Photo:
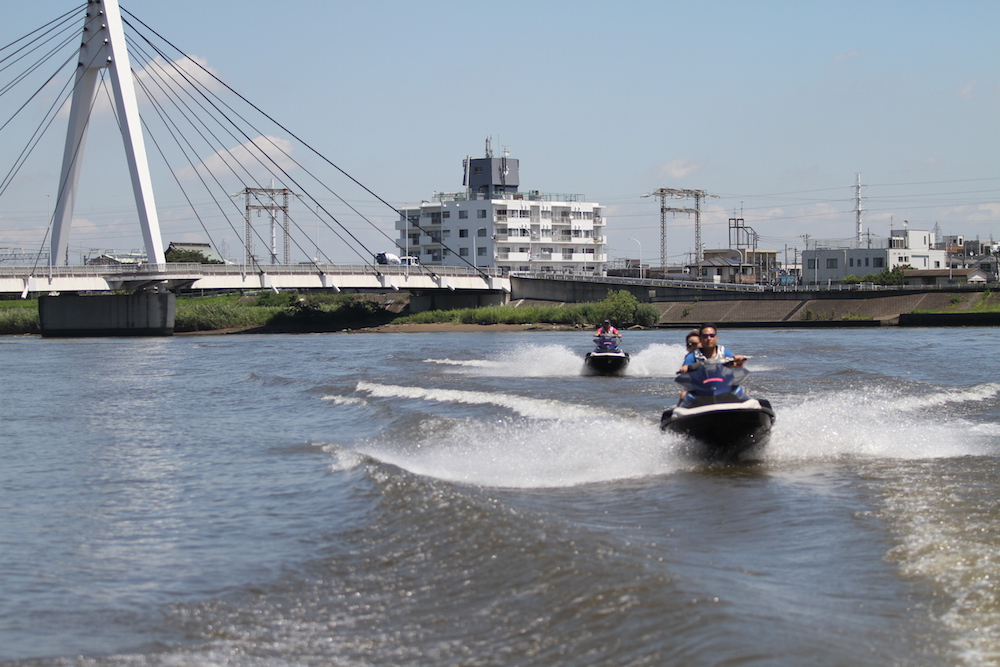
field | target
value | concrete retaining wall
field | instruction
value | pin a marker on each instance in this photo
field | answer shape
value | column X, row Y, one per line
column 141, row 314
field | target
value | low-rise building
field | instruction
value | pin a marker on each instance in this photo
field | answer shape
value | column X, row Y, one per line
column 944, row 277
column 831, row 262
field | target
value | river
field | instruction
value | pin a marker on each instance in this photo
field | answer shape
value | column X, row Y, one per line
column 474, row 499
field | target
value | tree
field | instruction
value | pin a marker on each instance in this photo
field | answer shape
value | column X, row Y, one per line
column 188, row 257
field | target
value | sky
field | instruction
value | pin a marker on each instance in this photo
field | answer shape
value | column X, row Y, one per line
column 772, row 107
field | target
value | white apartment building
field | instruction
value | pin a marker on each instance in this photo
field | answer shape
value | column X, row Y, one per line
column 492, row 224
column 828, row 264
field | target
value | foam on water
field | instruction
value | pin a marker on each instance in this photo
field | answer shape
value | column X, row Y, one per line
column 527, row 361
column 949, row 534
column 656, row 360
column 529, row 407
column 880, row 422
column 556, row 453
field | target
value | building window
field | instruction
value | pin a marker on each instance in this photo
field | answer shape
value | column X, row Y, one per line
column 850, row 262
column 445, row 214
column 481, row 213
column 477, row 170
column 463, row 215
column 481, row 251
column 866, row 261
column 831, row 262
column 878, row 262
column 463, row 252
column 463, row 233
column 481, row 231
column 811, row 264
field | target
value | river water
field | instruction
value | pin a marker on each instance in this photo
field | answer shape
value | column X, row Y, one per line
column 474, row 499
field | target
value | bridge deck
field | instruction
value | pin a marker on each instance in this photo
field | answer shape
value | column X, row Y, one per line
column 25, row 280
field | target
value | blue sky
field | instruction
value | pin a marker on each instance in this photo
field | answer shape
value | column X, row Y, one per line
column 772, row 106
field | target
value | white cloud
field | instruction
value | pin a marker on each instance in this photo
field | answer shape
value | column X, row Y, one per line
column 968, row 91
column 847, row 55
column 247, row 157
column 678, row 168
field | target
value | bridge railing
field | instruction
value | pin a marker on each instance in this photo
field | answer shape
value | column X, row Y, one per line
column 737, row 287
column 187, row 269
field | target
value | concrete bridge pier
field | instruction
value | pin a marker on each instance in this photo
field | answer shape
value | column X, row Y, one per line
column 421, row 300
column 138, row 314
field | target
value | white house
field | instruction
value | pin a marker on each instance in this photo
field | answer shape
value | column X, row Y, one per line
column 494, row 224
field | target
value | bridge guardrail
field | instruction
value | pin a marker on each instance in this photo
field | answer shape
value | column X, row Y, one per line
column 177, row 268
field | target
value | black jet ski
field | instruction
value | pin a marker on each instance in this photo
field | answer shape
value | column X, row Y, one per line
column 718, row 419
column 607, row 358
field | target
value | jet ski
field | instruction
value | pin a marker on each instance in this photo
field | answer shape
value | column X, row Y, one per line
column 607, row 358
column 718, row 419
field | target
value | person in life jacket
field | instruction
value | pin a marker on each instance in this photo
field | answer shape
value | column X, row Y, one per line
column 710, row 352
column 607, row 330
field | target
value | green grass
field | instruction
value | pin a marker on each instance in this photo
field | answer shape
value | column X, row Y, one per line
column 988, row 302
column 19, row 316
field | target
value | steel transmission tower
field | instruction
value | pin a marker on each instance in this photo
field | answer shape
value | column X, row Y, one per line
column 857, row 206
column 698, row 196
column 272, row 207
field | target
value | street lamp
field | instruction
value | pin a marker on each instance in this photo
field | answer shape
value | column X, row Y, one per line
column 640, row 255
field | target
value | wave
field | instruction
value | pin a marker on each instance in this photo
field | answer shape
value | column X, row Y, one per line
column 881, row 422
column 536, row 455
column 536, row 408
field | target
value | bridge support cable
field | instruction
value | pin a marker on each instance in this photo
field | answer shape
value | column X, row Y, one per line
column 163, row 82
column 39, row 41
column 177, row 135
column 207, row 95
column 283, row 128
column 205, row 92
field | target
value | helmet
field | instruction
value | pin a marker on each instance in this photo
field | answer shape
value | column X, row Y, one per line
column 607, row 321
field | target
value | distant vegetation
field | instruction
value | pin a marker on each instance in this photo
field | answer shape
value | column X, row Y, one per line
column 883, row 277
column 189, row 257
column 294, row 312
column 620, row 306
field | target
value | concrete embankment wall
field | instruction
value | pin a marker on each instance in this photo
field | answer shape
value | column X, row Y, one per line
column 689, row 307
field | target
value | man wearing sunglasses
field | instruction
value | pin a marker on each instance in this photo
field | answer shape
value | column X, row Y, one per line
column 710, row 350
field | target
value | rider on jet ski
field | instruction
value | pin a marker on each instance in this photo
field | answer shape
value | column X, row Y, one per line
column 713, row 353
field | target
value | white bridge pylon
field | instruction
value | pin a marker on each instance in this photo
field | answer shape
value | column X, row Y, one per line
column 103, row 47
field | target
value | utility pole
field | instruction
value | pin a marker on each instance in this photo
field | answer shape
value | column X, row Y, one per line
column 698, row 196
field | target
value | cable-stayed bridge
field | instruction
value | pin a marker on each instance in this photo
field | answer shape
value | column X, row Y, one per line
column 220, row 164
